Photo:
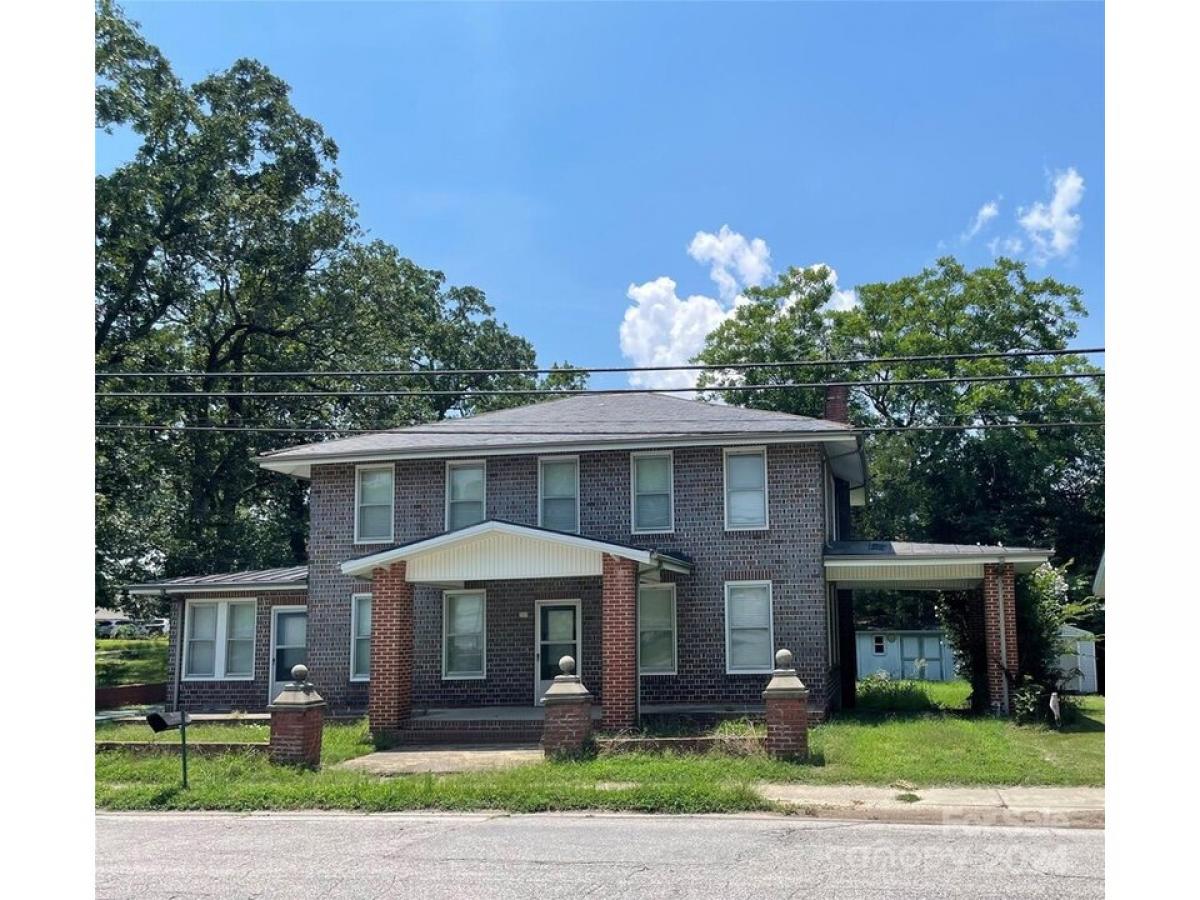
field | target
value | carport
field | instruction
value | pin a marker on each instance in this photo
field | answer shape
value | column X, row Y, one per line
column 989, row 571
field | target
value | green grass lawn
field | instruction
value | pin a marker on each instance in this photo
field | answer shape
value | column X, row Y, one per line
column 134, row 661
column 925, row 749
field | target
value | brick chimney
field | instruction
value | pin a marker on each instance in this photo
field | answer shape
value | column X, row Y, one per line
column 837, row 403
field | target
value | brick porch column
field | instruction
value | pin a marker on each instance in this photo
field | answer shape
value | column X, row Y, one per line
column 389, row 702
column 618, row 636
column 999, row 631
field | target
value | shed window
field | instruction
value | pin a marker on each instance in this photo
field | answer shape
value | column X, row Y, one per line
column 878, row 641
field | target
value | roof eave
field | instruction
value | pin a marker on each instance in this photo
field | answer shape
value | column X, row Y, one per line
column 300, row 466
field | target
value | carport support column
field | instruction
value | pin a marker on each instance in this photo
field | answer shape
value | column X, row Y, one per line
column 999, row 632
column 389, row 701
column 618, row 636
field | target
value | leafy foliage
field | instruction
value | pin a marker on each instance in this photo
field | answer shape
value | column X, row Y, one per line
column 225, row 245
column 1013, row 486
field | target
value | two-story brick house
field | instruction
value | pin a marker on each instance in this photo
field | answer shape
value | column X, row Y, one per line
column 669, row 546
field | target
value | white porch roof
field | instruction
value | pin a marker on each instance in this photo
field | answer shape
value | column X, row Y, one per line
column 897, row 565
column 497, row 550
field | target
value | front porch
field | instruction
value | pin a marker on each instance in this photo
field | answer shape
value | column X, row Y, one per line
column 537, row 595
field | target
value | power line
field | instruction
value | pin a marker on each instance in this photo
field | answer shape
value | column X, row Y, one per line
column 849, row 431
column 590, row 370
column 570, row 392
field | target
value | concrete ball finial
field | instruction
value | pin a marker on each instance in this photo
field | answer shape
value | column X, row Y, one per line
column 783, row 659
column 567, row 664
column 300, row 673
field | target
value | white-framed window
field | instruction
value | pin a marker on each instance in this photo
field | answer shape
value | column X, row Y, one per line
column 831, row 530
column 464, row 635
column 219, row 639
column 746, row 489
column 558, row 493
column 374, row 503
column 656, row 629
column 652, row 488
column 877, row 643
column 749, row 636
column 466, row 493
column 360, row 637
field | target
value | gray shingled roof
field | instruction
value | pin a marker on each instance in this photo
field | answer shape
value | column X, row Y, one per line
column 908, row 550
column 289, row 576
column 588, row 418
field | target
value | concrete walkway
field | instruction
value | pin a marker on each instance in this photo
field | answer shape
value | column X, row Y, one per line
column 444, row 759
column 1059, row 807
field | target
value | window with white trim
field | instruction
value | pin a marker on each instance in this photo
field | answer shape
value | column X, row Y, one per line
column 374, row 503
column 748, row 627
column 746, row 489
column 656, row 629
column 466, row 494
column 464, row 634
column 219, row 639
column 360, row 637
column 558, row 493
column 653, row 486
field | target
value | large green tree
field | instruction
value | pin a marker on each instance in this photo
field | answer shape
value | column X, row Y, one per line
column 225, row 245
column 1020, row 486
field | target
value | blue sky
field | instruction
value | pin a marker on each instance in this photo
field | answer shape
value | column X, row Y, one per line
column 566, row 158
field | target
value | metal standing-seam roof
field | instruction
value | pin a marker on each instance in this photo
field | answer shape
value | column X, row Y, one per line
column 621, row 420
column 286, row 578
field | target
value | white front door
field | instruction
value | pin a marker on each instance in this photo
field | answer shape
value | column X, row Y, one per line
column 556, row 634
column 289, row 644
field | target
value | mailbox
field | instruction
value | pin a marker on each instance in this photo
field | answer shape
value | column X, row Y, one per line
column 169, row 721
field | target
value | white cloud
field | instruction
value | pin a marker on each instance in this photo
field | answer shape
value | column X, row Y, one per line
column 660, row 328
column 735, row 262
column 1053, row 228
column 986, row 213
column 663, row 329
column 1009, row 246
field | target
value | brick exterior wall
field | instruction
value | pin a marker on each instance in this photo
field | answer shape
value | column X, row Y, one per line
column 1000, row 631
column 789, row 554
column 248, row 696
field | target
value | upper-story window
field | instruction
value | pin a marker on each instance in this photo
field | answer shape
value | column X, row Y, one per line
column 374, row 500
column 558, row 493
column 653, row 492
column 746, row 488
column 466, row 493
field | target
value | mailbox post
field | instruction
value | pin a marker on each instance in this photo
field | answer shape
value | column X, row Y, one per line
column 159, row 722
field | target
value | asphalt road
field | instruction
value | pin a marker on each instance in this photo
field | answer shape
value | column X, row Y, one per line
column 331, row 855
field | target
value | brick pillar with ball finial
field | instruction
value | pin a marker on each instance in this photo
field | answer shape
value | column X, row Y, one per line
column 786, row 699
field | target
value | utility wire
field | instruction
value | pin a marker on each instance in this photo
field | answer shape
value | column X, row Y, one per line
column 569, row 392
column 588, row 370
column 849, row 431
